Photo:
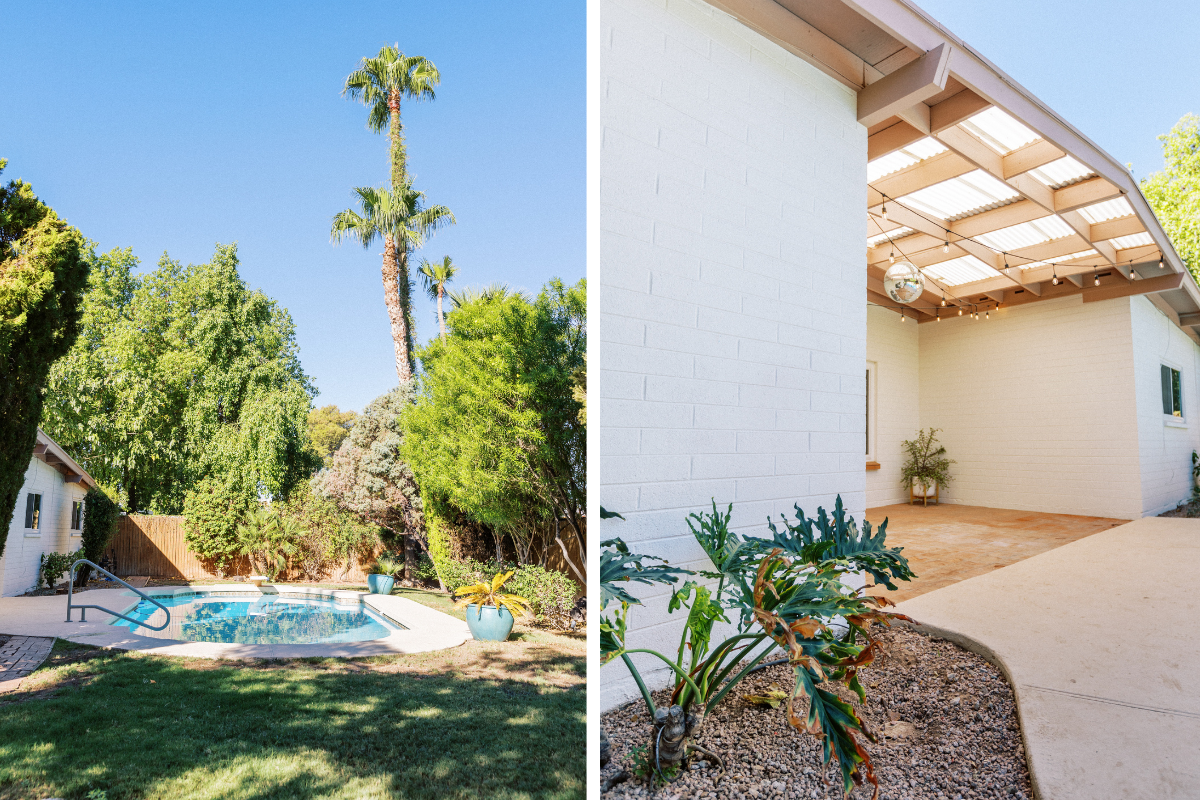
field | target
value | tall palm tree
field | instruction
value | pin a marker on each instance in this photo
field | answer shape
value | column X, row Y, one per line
column 401, row 219
column 489, row 293
column 435, row 275
column 380, row 83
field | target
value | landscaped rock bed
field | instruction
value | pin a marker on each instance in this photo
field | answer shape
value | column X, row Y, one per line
column 945, row 719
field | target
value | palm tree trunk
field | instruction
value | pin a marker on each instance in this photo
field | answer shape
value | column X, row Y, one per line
column 404, row 283
column 396, row 134
column 441, row 316
column 396, row 315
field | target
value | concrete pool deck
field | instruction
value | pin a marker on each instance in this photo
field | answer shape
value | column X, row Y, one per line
column 1096, row 640
column 426, row 629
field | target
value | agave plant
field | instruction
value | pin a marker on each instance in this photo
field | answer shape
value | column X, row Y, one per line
column 489, row 594
column 788, row 589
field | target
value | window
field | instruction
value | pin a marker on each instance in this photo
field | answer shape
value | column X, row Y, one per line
column 33, row 511
column 870, row 409
column 1172, row 392
column 76, row 515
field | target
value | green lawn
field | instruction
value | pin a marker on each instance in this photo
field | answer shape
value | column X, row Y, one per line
column 485, row 720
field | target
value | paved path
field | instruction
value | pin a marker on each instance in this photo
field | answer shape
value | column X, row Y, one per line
column 1098, row 638
column 20, row 656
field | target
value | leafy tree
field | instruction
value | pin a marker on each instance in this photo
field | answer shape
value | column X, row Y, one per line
column 100, row 518
column 330, row 537
column 401, row 219
column 1174, row 192
column 435, row 275
column 496, row 429
column 328, row 427
column 380, row 83
column 368, row 476
column 43, row 272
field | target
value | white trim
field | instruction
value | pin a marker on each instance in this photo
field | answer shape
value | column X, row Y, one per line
column 872, row 445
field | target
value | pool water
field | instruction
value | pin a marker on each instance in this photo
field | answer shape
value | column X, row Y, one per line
column 265, row 619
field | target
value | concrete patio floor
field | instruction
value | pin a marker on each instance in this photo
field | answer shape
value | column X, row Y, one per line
column 945, row 544
column 1096, row 638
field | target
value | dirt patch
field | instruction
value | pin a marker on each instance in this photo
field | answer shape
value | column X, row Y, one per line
column 945, row 719
column 1189, row 509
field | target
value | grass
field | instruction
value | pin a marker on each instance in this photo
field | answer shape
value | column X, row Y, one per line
column 495, row 720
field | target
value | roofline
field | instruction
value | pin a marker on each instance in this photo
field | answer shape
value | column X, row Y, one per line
column 71, row 464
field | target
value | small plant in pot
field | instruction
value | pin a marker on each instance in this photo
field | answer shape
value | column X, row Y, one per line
column 926, row 468
column 491, row 613
column 383, row 574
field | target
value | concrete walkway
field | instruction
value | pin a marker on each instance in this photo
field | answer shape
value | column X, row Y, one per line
column 20, row 656
column 425, row 628
column 1098, row 638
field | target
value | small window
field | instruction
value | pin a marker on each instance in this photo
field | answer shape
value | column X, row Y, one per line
column 33, row 511
column 1172, row 392
column 870, row 409
column 76, row 515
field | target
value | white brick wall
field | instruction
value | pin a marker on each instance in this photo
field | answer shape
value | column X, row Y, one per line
column 22, row 553
column 893, row 348
column 1037, row 406
column 733, row 178
column 1165, row 446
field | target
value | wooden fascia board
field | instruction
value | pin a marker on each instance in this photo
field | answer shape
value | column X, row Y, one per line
column 1163, row 283
column 905, row 87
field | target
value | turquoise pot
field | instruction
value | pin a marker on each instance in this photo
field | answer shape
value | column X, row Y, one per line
column 380, row 584
column 488, row 623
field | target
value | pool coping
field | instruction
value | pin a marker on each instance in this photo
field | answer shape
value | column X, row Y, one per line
column 426, row 629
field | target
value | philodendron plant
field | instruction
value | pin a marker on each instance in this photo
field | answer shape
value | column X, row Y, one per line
column 788, row 589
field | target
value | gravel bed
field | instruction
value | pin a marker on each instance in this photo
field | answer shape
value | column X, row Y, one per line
column 945, row 719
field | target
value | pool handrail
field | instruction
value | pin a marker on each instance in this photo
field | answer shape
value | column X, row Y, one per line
column 83, row 609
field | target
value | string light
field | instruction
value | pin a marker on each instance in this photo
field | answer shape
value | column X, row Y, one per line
column 960, row 311
column 1161, row 265
column 1095, row 276
column 937, row 314
column 885, row 212
column 946, row 246
column 943, row 298
column 903, row 317
column 987, row 315
column 1054, row 270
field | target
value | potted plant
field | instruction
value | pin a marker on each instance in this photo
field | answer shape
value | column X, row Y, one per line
column 926, row 469
column 491, row 614
column 383, row 574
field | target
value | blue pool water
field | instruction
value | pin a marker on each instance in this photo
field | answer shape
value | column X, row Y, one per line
column 266, row 619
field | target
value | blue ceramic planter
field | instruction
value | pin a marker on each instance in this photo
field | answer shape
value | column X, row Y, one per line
column 488, row 623
column 380, row 584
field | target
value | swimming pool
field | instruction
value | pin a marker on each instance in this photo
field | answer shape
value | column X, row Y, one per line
column 239, row 617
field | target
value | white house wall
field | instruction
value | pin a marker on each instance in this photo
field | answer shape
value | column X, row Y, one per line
column 1165, row 445
column 893, row 350
column 733, row 178
column 22, row 553
column 1037, row 407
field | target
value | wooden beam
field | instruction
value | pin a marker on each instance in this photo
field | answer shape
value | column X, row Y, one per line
column 936, row 169
column 1189, row 319
column 1084, row 193
column 997, row 218
column 72, row 478
column 954, row 110
column 1031, row 156
column 1162, row 283
column 1111, row 229
column 893, row 138
column 40, row 449
column 1145, row 252
column 904, row 216
column 913, row 83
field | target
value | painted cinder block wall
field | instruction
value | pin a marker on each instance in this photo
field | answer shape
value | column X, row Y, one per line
column 1038, row 407
column 732, row 324
column 893, row 349
column 22, row 553
column 1164, row 445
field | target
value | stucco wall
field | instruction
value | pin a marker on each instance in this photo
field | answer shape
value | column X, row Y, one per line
column 893, row 349
column 1165, row 446
column 24, row 548
column 732, row 324
column 1037, row 406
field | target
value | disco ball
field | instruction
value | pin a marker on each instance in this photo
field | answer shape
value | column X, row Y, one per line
column 903, row 282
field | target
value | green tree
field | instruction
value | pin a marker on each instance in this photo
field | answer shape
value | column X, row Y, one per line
column 185, row 394
column 1174, row 192
column 380, row 83
column 496, row 428
column 435, row 275
column 401, row 219
column 43, row 273
column 328, row 427
column 100, row 518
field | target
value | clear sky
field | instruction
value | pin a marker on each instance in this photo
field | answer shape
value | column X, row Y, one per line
column 1121, row 72
column 173, row 126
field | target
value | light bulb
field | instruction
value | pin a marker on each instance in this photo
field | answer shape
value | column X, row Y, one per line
column 1161, row 265
column 1096, row 281
column 943, row 301
column 946, row 247
column 960, row 312
column 902, row 316
column 891, row 258
column 987, row 314
column 885, row 212
column 1055, row 281
column 938, row 316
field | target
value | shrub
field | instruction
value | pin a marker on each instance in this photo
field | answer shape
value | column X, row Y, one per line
column 426, row 571
column 268, row 539
column 212, row 511
column 53, row 565
column 438, row 536
column 926, row 463
column 100, row 515
column 551, row 594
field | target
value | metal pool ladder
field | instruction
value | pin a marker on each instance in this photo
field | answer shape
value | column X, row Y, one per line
column 83, row 609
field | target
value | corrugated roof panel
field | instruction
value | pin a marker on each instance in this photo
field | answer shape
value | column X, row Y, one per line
column 905, row 157
column 1133, row 240
column 1027, row 234
column 882, row 238
column 1062, row 172
column 1059, row 259
column 999, row 131
column 1109, row 209
column 958, row 271
column 961, row 196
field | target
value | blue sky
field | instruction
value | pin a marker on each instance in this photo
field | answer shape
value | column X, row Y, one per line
column 174, row 126
column 1120, row 72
